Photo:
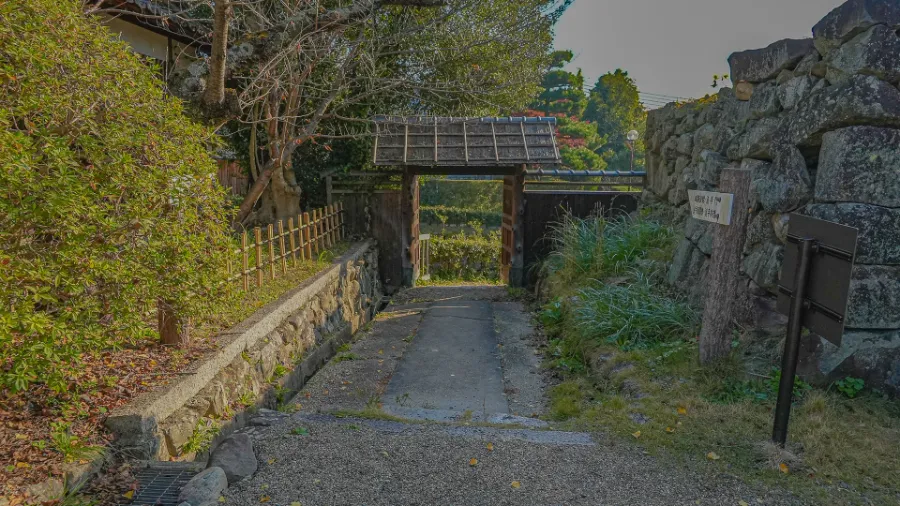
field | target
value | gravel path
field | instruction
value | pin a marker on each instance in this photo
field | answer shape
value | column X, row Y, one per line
column 316, row 459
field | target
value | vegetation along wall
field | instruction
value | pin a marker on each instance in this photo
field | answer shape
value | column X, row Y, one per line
column 817, row 121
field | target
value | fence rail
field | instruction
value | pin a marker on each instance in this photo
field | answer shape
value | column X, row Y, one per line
column 265, row 251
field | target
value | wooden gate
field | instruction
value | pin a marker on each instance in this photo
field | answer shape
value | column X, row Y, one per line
column 512, row 262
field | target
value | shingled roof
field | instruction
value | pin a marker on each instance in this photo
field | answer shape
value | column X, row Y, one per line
column 465, row 142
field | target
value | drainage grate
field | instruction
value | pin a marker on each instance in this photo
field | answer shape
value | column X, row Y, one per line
column 160, row 487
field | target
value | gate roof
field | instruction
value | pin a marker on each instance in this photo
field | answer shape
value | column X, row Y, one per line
column 465, row 142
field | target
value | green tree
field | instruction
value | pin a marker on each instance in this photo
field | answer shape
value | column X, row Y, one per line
column 563, row 90
column 108, row 200
column 614, row 105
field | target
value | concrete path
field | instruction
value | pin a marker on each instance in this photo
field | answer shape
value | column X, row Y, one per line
column 394, row 420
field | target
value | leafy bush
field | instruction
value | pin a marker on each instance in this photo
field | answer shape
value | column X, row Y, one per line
column 850, row 386
column 468, row 258
column 478, row 195
column 442, row 215
column 107, row 196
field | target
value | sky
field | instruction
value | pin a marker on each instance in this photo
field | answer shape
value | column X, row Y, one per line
column 674, row 47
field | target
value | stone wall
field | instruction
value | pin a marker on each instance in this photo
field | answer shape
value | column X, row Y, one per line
column 818, row 123
column 258, row 364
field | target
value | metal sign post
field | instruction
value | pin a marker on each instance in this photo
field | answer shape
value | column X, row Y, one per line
column 814, row 288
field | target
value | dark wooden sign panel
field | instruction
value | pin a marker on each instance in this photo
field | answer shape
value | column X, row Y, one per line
column 828, row 286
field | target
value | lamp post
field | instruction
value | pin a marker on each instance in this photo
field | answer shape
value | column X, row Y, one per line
column 632, row 136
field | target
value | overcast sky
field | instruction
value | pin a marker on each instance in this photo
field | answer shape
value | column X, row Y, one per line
column 673, row 47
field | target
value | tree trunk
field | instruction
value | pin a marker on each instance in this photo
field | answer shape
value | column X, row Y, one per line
column 215, row 87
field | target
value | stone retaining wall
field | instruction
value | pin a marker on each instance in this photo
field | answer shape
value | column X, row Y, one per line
column 259, row 363
column 818, row 123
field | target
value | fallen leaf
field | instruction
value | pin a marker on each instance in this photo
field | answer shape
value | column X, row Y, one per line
column 682, row 410
column 712, row 456
column 670, row 429
column 265, row 498
column 296, row 503
column 473, row 462
column 743, row 503
column 221, row 498
column 784, row 468
column 636, row 434
column 270, row 461
column 490, row 447
column 516, row 484
column 21, row 437
column 129, row 494
column 264, row 486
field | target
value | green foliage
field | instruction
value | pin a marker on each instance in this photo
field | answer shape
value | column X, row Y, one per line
column 466, row 258
column 632, row 316
column 615, row 106
column 850, row 386
column 67, row 444
column 801, row 388
column 108, row 199
column 300, row 431
column 475, row 195
column 200, row 440
column 566, row 401
column 563, row 91
column 442, row 215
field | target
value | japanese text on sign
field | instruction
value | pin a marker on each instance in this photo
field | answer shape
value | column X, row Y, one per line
column 711, row 206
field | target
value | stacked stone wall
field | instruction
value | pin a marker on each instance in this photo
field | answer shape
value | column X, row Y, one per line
column 817, row 121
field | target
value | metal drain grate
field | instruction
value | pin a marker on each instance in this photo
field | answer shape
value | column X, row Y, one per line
column 160, row 487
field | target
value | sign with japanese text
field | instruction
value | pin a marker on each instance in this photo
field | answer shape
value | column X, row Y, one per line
column 711, row 206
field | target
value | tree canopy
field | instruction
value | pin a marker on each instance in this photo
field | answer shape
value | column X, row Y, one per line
column 614, row 105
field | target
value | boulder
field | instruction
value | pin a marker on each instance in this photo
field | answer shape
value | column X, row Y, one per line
column 859, row 100
column 874, row 297
column 236, row 458
column 784, row 185
column 205, row 487
column 743, row 91
column 685, row 144
column 860, row 164
column 758, row 65
column 875, row 52
column 711, row 167
column 879, row 229
column 757, row 142
column 852, row 18
column 794, row 91
column 807, row 63
column 763, row 265
column 873, row 356
column 764, row 102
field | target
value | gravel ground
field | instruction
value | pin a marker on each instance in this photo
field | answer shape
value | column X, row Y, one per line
column 364, row 462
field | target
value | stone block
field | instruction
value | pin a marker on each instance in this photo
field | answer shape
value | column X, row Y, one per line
column 794, row 91
column 874, row 297
column 764, row 102
column 875, row 52
column 758, row 140
column 758, row 65
column 860, row 164
column 784, row 185
column 685, row 144
column 852, row 18
column 204, row 487
column 763, row 265
column 743, row 91
column 711, row 168
column 879, row 229
column 873, row 356
column 859, row 100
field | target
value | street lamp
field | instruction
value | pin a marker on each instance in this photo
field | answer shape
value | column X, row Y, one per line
column 632, row 136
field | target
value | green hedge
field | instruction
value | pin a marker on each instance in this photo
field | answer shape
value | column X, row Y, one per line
column 442, row 215
column 467, row 258
column 478, row 195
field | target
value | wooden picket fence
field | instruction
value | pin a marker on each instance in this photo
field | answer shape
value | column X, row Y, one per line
column 265, row 251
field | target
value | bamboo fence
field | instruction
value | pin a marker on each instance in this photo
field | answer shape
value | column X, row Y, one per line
column 266, row 251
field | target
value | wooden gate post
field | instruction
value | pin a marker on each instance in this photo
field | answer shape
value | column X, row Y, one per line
column 512, row 268
column 409, row 211
column 723, row 284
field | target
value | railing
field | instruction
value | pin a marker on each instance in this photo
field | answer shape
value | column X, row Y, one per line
column 264, row 251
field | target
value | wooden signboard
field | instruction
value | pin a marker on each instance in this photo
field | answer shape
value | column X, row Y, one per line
column 711, row 206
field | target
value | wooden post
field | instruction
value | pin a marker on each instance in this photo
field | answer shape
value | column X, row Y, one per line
column 293, row 243
column 314, row 226
column 341, row 219
column 409, row 213
column 257, row 236
column 307, row 243
column 245, row 253
column 323, row 238
column 283, row 252
column 270, row 233
column 724, row 281
column 173, row 330
column 334, row 226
